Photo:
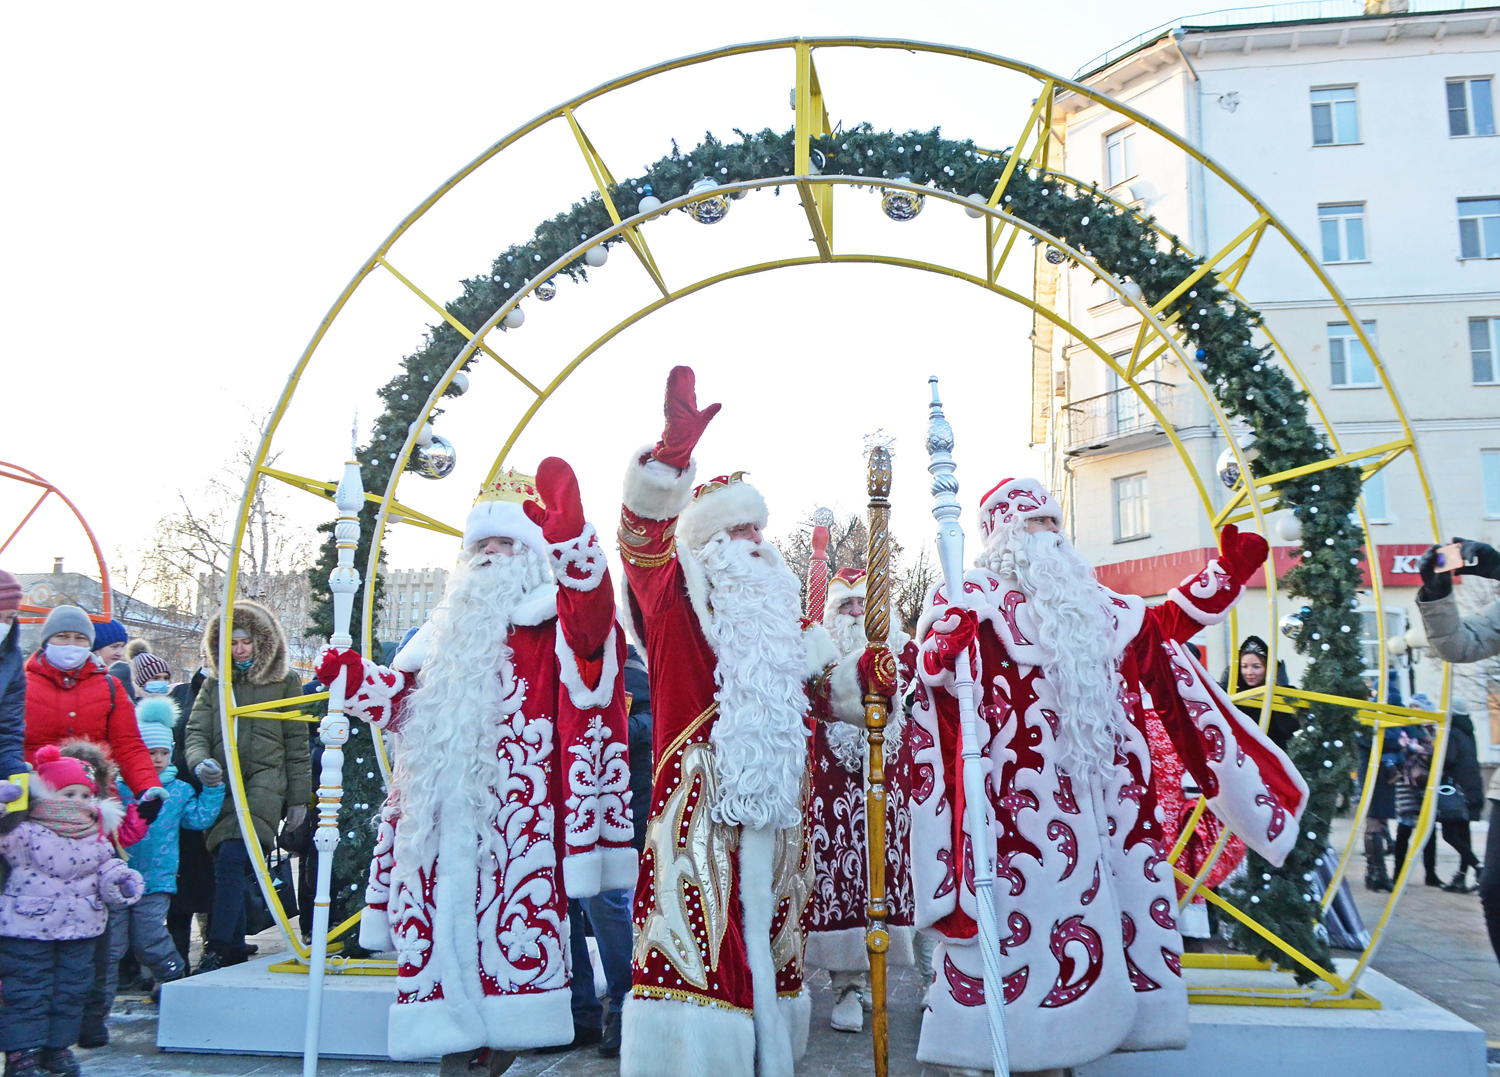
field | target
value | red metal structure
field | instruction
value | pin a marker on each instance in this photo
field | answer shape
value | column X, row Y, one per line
column 35, row 614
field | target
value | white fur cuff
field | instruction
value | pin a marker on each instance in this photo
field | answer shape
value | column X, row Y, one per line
column 584, row 697
column 620, row 870
column 821, row 653
column 656, row 490
column 375, row 930
column 579, row 564
column 846, row 696
column 583, row 873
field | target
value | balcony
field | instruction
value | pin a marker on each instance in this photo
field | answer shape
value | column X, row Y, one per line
column 1117, row 421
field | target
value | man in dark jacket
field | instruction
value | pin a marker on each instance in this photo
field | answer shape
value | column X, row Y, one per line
column 12, row 689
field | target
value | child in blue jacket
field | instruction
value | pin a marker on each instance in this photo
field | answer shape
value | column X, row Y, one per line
column 155, row 856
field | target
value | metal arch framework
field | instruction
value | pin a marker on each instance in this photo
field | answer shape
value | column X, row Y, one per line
column 35, row 614
column 1252, row 501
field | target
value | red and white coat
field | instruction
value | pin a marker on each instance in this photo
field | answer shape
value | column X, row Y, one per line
column 1084, row 897
column 717, row 971
column 483, row 953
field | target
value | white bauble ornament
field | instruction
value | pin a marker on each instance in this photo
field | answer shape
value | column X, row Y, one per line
column 1289, row 529
column 1132, row 290
column 649, row 203
column 978, row 200
column 514, row 319
column 460, row 383
column 422, row 430
column 596, row 256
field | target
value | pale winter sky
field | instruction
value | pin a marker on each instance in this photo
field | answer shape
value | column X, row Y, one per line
column 190, row 186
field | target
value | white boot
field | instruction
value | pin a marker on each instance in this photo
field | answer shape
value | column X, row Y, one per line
column 848, row 1012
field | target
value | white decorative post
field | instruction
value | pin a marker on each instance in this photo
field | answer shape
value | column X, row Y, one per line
column 946, row 510
column 334, row 732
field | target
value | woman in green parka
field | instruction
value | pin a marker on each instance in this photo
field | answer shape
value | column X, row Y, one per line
column 273, row 760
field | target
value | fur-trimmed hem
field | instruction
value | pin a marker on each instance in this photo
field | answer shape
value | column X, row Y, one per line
column 773, row 1039
column 621, row 869
column 584, row 697
column 656, row 490
column 419, row 1030
column 846, row 696
column 667, row 1038
column 375, row 930
column 844, row 950
column 796, row 1011
column 582, row 872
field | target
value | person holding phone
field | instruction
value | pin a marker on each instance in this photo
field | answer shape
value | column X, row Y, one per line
column 1458, row 639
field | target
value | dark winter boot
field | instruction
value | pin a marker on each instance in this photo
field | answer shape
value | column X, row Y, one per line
column 1432, row 878
column 1376, row 877
column 24, row 1063
column 60, row 1061
column 609, row 1040
column 1459, row 885
column 92, row 1033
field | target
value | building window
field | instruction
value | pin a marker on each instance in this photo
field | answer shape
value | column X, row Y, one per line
column 429, row 596
column 401, row 597
column 1120, row 152
column 1471, row 108
column 1484, row 349
column 1489, row 467
column 1376, row 509
column 1343, row 228
column 1479, row 227
column 1349, row 364
column 1335, row 116
column 1132, row 512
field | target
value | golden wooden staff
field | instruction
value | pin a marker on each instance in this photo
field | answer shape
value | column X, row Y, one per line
column 877, row 629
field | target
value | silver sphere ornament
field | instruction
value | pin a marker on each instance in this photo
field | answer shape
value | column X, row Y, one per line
column 901, row 205
column 436, row 459
column 1055, row 256
column 978, row 200
column 710, row 210
column 823, row 518
column 1291, row 624
column 460, row 383
column 546, row 291
column 1228, row 469
column 1289, row 529
column 514, row 319
column 422, row 430
column 1132, row 290
column 596, row 256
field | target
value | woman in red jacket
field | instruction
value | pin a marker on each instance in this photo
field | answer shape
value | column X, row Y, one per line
column 70, row 695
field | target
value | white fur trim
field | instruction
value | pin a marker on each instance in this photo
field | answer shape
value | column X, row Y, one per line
column 503, row 519
column 421, row 1030
column 839, row 591
column 582, row 873
column 845, row 950
column 773, row 1042
column 718, row 510
column 536, row 607
column 621, row 869
column 409, row 659
column 1013, row 502
column 375, row 930
column 821, row 653
column 846, row 696
column 695, row 580
column 656, row 490
column 796, row 1011
column 111, row 812
column 584, row 697
column 667, row 1038
column 585, row 553
column 1207, row 585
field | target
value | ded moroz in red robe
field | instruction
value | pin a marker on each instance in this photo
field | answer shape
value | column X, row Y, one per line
column 1084, row 897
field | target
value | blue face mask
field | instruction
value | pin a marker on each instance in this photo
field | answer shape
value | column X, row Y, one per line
column 246, row 664
column 66, row 656
column 156, row 688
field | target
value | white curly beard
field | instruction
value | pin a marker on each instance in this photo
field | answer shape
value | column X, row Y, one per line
column 1075, row 638
column 759, row 738
column 847, row 632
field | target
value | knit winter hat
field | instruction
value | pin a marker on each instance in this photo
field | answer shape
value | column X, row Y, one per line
column 60, row 771
column 107, row 632
column 147, row 666
column 10, row 592
column 68, row 619
column 156, row 716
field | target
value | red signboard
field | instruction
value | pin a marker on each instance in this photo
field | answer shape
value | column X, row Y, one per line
column 1159, row 574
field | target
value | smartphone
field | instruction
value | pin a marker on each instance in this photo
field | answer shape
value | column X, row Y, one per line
column 1450, row 557
column 24, row 781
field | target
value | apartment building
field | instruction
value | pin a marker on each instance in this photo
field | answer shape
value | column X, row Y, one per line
column 411, row 594
column 1373, row 137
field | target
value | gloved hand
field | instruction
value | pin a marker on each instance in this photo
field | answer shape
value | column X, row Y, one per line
column 10, row 792
column 1242, row 553
column 209, row 772
column 148, row 809
column 333, row 659
column 953, row 633
column 685, row 423
column 562, row 518
column 1435, row 584
column 295, row 814
column 820, row 543
column 1480, row 559
column 877, row 671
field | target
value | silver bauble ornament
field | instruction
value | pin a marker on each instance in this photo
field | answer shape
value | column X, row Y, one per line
column 1291, row 624
column 1055, row 256
column 422, row 430
column 546, row 290
column 436, row 459
column 1228, row 469
column 901, row 205
column 1132, row 290
column 1289, row 529
column 710, row 210
column 514, row 318
column 596, row 256
column 459, row 384
column 978, row 200
column 823, row 518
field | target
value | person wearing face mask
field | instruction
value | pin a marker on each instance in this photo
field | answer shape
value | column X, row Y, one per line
column 12, row 688
column 111, row 639
column 273, row 762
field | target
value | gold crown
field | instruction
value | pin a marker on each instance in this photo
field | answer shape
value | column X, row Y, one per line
column 511, row 485
column 718, row 483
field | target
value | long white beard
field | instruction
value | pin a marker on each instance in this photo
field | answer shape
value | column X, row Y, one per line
column 847, row 632
column 450, row 726
column 759, row 739
column 1075, row 636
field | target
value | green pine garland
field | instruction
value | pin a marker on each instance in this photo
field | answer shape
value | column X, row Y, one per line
column 1245, row 378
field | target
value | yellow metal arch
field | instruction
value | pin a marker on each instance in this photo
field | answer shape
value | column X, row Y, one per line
column 1252, row 502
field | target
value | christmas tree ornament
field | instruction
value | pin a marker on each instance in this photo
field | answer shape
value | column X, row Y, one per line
column 978, row 200
column 1228, row 469
column 459, row 384
column 436, row 459
column 1291, row 624
column 1132, row 290
column 514, row 318
column 649, row 203
column 823, row 518
column 547, row 290
column 817, row 161
column 422, row 430
column 596, row 256
column 1055, row 256
column 901, row 205
column 1289, row 529
column 710, row 210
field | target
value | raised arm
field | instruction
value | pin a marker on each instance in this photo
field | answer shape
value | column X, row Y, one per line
column 585, row 598
column 1206, row 597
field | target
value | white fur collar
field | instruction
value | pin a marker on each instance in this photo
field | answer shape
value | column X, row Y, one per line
column 536, row 607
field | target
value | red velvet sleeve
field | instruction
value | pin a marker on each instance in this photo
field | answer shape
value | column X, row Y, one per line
column 1199, row 601
column 126, row 747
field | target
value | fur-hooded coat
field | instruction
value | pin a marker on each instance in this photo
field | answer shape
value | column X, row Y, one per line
column 273, row 754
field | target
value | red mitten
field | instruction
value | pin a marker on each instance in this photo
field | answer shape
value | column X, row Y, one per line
column 1242, row 552
column 954, row 632
column 685, row 423
column 562, row 518
column 877, row 671
column 333, row 659
column 820, row 543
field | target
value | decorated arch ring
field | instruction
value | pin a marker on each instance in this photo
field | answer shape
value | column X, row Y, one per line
column 1189, row 305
